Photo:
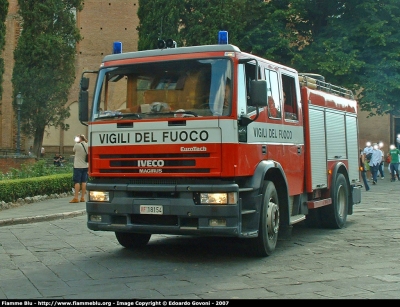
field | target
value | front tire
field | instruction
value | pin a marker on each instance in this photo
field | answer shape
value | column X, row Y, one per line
column 132, row 240
column 265, row 243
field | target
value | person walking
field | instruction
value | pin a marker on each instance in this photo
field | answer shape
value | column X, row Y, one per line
column 394, row 162
column 367, row 150
column 381, row 166
column 80, row 175
column 363, row 171
column 374, row 163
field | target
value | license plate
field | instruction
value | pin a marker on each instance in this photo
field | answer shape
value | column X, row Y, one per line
column 150, row 209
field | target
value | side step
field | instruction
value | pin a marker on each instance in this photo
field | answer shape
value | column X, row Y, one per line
column 297, row 218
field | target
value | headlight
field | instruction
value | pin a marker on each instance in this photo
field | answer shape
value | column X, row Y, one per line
column 218, row 198
column 99, row 196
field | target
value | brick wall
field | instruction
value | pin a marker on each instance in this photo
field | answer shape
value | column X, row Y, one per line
column 100, row 23
column 6, row 163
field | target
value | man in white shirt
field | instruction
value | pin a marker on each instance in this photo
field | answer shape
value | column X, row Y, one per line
column 375, row 162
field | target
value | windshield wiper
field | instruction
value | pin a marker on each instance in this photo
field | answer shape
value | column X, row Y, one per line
column 111, row 114
column 127, row 115
column 176, row 114
column 184, row 113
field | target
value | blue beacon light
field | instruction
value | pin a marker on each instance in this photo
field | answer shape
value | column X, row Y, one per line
column 117, row 47
column 223, row 37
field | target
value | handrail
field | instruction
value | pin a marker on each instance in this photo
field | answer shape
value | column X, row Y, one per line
column 318, row 82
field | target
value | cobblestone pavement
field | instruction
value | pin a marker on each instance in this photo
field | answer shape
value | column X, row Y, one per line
column 59, row 258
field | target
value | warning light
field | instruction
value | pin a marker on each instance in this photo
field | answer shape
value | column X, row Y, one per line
column 117, row 47
column 169, row 43
column 223, row 37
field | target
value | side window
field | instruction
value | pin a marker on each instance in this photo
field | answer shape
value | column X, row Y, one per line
column 274, row 106
column 242, row 92
column 289, row 97
column 250, row 75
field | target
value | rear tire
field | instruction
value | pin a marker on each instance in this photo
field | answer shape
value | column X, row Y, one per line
column 265, row 243
column 132, row 240
column 335, row 215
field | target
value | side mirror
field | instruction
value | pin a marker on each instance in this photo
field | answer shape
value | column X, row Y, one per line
column 84, row 84
column 84, row 97
column 83, row 106
column 258, row 93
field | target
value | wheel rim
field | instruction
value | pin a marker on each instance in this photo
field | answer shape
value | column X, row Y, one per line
column 341, row 201
column 273, row 219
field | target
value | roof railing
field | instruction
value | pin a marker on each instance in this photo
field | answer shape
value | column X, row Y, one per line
column 316, row 81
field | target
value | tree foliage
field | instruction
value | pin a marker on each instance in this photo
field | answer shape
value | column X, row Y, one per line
column 3, row 15
column 44, row 68
column 159, row 19
column 353, row 43
column 356, row 44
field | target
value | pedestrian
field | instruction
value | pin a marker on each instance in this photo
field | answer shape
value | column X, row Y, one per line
column 394, row 162
column 374, row 163
column 368, row 149
column 363, row 171
column 381, row 166
column 80, row 175
column 42, row 152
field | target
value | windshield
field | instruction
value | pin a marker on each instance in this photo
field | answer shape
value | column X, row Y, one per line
column 184, row 88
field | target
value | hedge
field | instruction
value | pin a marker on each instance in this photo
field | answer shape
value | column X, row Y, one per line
column 12, row 190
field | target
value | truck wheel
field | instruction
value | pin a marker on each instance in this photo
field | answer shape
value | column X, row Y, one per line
column 265, row 243
column 131, row 240
column 335, row 215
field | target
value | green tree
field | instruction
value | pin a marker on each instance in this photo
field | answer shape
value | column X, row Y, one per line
column 202, row 20
column 44, row 68
column 188, row 22
column 159, row 19
column 3, row 15
column 353, row 43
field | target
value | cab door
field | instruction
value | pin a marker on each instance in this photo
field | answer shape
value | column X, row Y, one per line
column 292, row 134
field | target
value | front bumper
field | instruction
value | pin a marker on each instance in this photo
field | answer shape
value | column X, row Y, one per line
column 181, row 214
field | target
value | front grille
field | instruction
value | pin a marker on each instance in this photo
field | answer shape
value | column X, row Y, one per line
column 168, row 163
column 134, row 163
column 154, row 171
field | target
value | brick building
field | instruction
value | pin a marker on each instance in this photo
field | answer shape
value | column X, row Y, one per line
column 101, row 23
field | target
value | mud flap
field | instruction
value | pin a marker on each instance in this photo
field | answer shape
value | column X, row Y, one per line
column 355, row 199
column 285, row 232
column 356, row 194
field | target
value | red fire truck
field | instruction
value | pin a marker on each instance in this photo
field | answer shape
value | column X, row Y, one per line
column 212, row 141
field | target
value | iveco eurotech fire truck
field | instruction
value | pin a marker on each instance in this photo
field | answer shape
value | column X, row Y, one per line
column 212, row 141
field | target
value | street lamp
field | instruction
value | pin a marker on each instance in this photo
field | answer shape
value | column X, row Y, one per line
column 20, row 100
